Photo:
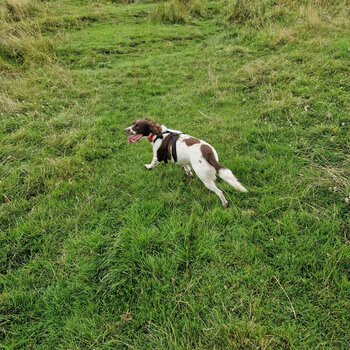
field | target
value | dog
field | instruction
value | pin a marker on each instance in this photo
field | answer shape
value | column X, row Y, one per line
column 185, row 150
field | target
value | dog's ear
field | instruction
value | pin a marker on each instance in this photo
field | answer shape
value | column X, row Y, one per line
column 155, row 128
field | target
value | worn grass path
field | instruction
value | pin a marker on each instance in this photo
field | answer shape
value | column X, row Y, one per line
column 98, row 253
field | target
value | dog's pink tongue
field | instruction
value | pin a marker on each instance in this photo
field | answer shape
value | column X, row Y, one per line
column 134, row 138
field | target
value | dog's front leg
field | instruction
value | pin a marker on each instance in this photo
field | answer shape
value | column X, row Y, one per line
column 152, row 165
column 154, row 162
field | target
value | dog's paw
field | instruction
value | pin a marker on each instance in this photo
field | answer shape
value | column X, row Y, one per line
column 225, row 204
column 148, row 166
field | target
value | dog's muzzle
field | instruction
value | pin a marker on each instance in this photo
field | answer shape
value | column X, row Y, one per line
column 129, row 131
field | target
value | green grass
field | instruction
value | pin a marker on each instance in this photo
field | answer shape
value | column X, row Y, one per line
column 98, row 253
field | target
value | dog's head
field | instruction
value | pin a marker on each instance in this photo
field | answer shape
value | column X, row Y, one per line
column 143, row 128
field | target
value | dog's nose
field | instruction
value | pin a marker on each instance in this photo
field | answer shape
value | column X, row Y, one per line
column 126, row 130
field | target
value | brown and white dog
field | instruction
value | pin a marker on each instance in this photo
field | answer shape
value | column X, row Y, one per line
column 184, row 150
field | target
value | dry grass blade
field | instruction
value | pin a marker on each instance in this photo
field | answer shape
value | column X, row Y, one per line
column 285, row 293
column 17, row 10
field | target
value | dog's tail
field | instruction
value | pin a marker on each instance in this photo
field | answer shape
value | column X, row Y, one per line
column 224, row 173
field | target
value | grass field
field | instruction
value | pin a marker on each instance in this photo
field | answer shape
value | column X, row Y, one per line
column 98, row 253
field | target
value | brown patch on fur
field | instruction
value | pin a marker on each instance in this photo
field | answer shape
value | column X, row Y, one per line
column 146, row 127
column 209, row 156
column 155, row 128
column 191, row 141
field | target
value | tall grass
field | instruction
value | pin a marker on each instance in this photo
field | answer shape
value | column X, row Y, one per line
column 17, row 10
column 25, row 46
column 263, row 13
column 125, row 2
column 21, row 38
column 178, row 11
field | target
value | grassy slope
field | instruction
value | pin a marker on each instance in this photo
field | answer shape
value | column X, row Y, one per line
column 97, row 253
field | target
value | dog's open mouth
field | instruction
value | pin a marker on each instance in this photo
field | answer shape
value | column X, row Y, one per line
column 134, row 138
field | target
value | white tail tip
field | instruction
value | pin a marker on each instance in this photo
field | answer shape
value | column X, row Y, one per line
column 227, row 176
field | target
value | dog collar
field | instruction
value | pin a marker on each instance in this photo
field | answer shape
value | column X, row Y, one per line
column 151, row 137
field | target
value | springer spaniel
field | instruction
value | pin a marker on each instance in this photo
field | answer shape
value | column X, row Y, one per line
column 185, row 150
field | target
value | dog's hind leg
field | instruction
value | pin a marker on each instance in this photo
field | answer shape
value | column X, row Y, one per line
column 188, row 170
column 212, row 187
column 208, row 176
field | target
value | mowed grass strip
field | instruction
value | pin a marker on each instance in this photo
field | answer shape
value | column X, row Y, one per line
column 98, row 253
